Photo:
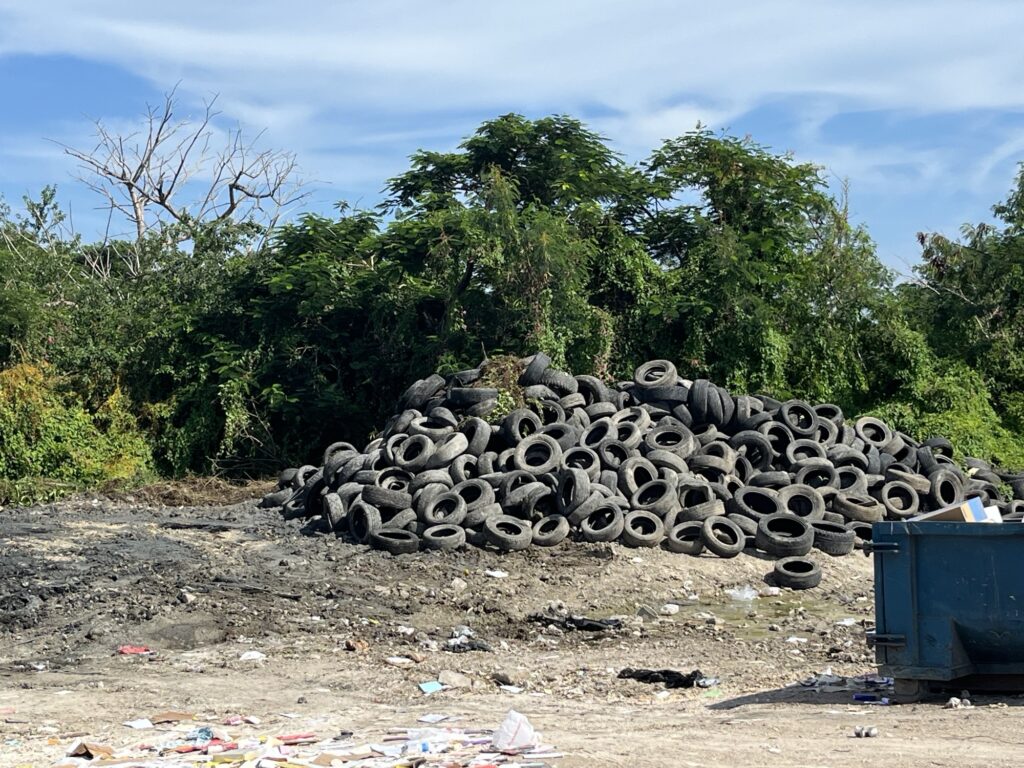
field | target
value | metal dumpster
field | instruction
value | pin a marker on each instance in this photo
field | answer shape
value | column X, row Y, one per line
column 949, row 605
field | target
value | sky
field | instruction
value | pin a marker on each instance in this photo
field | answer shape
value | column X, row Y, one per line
column 917, row 105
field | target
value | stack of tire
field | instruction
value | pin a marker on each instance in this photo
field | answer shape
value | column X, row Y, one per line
column 656, row 461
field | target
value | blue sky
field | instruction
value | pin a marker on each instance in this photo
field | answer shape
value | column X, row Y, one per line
column 918, row 105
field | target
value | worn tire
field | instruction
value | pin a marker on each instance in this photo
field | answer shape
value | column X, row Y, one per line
column 444, row 538
column 858, row 507
column 685, row 538
column 833, row 538
column 642, row 529
column 396, row 541
column 722, row 537
column 507, row 533
column 797, row 573
column 784, row 535
column 445, row 509
column 603, row 524
column 550, row 531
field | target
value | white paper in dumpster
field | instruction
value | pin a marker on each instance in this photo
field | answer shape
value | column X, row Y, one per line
column 515, row 733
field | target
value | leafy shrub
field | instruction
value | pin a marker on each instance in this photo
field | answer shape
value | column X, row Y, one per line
column 50, row 444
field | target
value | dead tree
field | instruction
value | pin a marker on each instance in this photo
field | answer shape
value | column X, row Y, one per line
column 170, row 172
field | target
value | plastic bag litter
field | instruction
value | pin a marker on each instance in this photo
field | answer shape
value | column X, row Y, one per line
column 745, row 594
column 515, row 733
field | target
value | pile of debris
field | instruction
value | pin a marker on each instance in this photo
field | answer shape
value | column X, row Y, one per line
column 656, row 461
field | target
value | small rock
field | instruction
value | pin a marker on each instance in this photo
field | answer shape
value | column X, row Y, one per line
column 669, row 609
column 402, row 662
column 502, row 678
column 356, row 645
column 186, row 597
column 646, row 612
column 774, row 628
column 454, row 679
column 459, row 585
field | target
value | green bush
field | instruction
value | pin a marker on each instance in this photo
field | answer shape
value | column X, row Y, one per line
column 50, row 444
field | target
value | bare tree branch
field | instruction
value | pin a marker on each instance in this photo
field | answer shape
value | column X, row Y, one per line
column 142, row 176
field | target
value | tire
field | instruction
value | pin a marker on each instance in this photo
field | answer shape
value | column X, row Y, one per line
column 413, row 454
column 873, row 431
column 447, row 449
column 773, row 480
column 797, row 573
column 463, row 468
column 642, row 529
column 463, row 397
column 800, row 417
column 575, row 400
column 401, row 518
column 900, row 500
column 674, row 438
column 428, row 427
column 755, row 503
column 613, row 453
column 755, row 446
column 633, row 473
column 667, row 460
column 446, row 509
column 276, row 498
column 581, row 512
column 383, row 498
column 744, row 523
column 508, row 534
column 475, row 517
column 603, row 524
column 535, row 369
column 334, row 513
column 657, row 496
column 363, row 519
column 550, row 531
column 430, row 477
column 832, row 538
column 573, row 489
column 862, row 531
column 817, row 476
column 562, row 433
column 851, row 480
column 476, row 493
column 559, row 381
column 396, row 541
column 656, row 373
column 583, row 458
column 946, row 489
column 722, row 537
column 685, row 539
column 444, row 538
column 519, row 424
column 803, row 501
column 784, row 535
column 858, row 507
column 701, row 512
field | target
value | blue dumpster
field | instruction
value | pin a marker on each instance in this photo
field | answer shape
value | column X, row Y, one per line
column 949, row 605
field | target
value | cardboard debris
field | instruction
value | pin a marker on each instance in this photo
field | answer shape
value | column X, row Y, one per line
column 970, row 511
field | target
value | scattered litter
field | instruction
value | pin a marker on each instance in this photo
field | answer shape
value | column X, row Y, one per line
column 580, row 623
column 670, row 677
column 745, row 594
column 497, row 574
column 955, row 702
column 431, row 686
column 451, row 679
column 133, row 650
column 827, row 682
column 796, row 640
column 433, row 719
column 516, row 733
column 511, row 688
column 403, row 662
column 514, row 743
column 846, row 622
column 871, row 698
column 252, row 656
column 38, row 666
column 865, row 731
column 771, row 592
column 141, row 724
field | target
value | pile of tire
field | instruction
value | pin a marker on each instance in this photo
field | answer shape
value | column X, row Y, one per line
column 659, row 461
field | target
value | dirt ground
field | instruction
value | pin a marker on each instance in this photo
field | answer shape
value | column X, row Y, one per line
column 203, row 585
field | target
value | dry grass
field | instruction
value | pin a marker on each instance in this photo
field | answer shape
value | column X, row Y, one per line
column 195, row 492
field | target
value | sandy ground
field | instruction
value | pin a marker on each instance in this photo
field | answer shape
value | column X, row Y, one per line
column 201, row 586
